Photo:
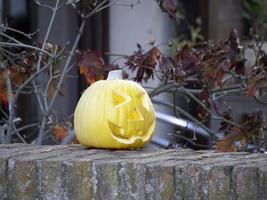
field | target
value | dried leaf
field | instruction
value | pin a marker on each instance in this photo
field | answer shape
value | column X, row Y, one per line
column 257, row 83
column 60, row 132
column 52, row 89
column 251, row 123
column 188, row 60
column 227, row 143
column 247, row 133
column 169, row 6
column 225, row 126
column 239, row 67
column 17, row 77
column 92, row 66
column 144, row 63
column 234, row 40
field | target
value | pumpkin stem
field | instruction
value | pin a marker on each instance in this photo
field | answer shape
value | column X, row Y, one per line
column 115, row 75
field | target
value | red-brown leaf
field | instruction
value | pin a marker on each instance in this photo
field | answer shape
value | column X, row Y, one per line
column 144, row 63
column 169, row 6
column 60, row 132
column 227, row 143
column 92, row 66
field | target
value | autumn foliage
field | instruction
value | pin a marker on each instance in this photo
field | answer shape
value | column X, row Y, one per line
column 203, row 66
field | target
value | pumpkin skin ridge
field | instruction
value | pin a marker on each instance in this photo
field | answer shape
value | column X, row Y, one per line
column 100, row 140
column 84, row 137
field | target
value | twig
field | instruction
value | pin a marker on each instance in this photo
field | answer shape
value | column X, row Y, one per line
column 52, row 78
column 236, row 86
column 33, row 76
column 131, row 5
column 195, row 99
column 29, row 36
column 25, row 127
column 225, row 120
column 2, row 133
column 47, row 32
column 190, row 141
column 4, row 44
column 11, row 38
column 69, row 59
column 65, row 69
column 174, row 104
column 70, row 137
column 11, row 113
column 184, row 113
column 43, row 5
column 38, row 96
column 163, row 88
column 18, row 134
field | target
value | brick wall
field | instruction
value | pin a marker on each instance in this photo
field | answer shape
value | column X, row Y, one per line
column 72, row 172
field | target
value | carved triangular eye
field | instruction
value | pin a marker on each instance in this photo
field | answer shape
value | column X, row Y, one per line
column 144, row 100
column 135, row 115
column 119, row 98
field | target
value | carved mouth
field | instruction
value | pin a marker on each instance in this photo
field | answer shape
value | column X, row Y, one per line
column 118, row 133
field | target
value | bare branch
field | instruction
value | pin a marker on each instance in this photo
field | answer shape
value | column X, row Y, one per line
column 38, row 96
column 70, row 137
column 7, row 44
column 34, row 75
column 184, row 113
column 29, row 36
column 11, row 113
column 43, row 5
column 47, row 32
column 10, row 38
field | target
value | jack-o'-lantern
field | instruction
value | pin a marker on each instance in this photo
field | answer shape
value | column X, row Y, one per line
column 115, row 114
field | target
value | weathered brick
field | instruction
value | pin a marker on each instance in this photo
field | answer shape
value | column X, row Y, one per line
column 140, row 170
column 22, row 180
column 219, row 182
column 246, row 182
column 51, row 180
column 77, row 183
column 52, row 175
column 149, row 185
column 129, row 177
column 165, row 180
column 178, row 170
column 3, row 178
column 191, row 178
column 23, row 169
column 105, row 180
column 78, row 174
column 263, row 183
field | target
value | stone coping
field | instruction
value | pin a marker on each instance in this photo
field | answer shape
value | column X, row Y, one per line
column 73, row 172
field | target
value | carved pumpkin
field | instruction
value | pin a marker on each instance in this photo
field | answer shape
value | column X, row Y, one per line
column 114, row 113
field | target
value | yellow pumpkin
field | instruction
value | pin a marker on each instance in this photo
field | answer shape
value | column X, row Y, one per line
column 115, row 114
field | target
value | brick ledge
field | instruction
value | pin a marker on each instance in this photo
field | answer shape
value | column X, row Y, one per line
column 72, row 172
